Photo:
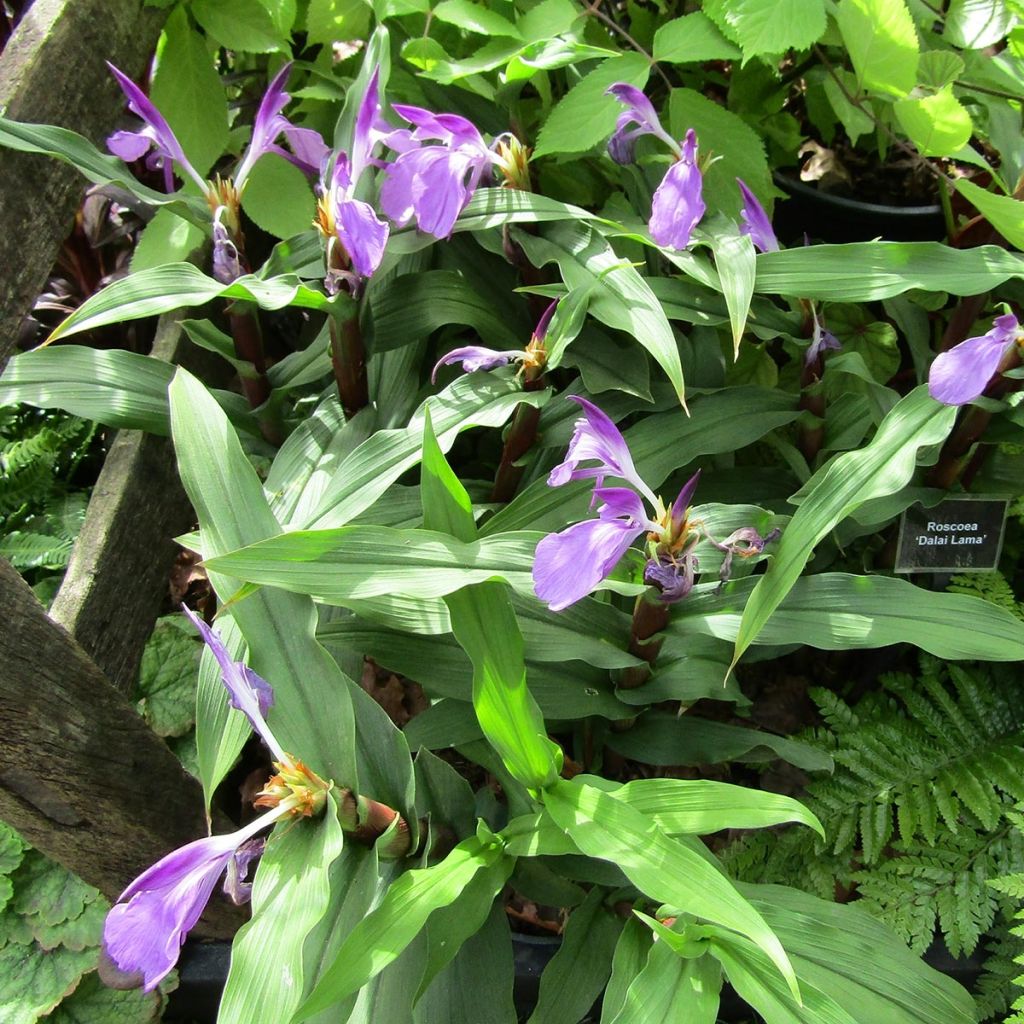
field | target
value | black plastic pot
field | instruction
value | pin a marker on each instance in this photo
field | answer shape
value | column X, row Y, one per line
column 831, row 218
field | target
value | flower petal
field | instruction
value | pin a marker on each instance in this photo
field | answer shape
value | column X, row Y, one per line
column 623, row 503
column 639, row 119
column 430, row 184
column 475, row 357
column 962, row 374
column 684, row 499
column 362, row 233
column 248, row 692
column 677, row 205
column 597, row 438
column 756, row 222
column 569, row 565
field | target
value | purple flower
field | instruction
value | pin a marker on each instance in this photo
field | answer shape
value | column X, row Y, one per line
column 269, row 124
column 247, row 691
column 477, row 357
column 433, row 183
column 822, row 340
column 156, row 135
column 143, row 932
column 227, row 260
column 352, row 222
column 678, row 202
column 597, row 439
column 639, row 119
column 756, row 222
column 745, row 542
column 961, row 375
column 570, row 564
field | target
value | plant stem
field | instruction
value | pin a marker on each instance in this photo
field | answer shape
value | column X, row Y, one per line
column 594, row 9
column 348, row 357
column 518, row 442
column 248, row 339
column 649, row 618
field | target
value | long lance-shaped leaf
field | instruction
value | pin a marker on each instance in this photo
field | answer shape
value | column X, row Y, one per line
column 476, row 400
column 116, row 388
column 666, row 870
column 700, row 806
column 98, row 167
column 671, row 990
column 290, row 896
column 837, row 611
column 882, row 468
column 177, row 285
column 619, row 296
column 382, row 935
column 358, row 562
column 312, row 715
column 485, row 626
column 866, row 271
column 735, row 263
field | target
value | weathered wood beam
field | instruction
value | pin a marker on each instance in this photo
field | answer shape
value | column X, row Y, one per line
column 52, row 71
column 82, row 777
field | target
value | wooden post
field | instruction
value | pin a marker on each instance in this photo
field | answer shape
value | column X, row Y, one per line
column 82, row 777
column 52, row 71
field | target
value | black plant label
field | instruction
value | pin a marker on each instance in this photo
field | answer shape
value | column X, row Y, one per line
column 963, row 534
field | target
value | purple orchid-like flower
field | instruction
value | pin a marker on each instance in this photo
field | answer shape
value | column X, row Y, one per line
column 143, row 932
column 756, row 222
column 477, row 357
column 678, row 203
column 156, row 135
column 440, row 163
column 344, row 220
column 570, row 564
column 822, row 340
column 961, row 375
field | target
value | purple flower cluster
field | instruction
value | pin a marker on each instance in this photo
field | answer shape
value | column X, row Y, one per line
column 961, row 375
column 143, row 932
column 441, row 160
column 570, row 564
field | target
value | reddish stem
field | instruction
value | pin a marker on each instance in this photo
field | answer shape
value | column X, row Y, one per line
column 348, row 357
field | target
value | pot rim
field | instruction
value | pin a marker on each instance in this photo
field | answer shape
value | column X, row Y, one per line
column 798, row 188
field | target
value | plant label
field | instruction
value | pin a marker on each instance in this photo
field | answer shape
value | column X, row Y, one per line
column 963, row 534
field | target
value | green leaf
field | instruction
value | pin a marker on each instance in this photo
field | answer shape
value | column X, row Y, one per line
column 699, row 806
column 166, row 685
column 843, row 950
column 33, row 982
column 495, row 207
column 578, row 972
column 48, row 891
column 939, row 68
column 667, row 739
column 411, row 306
column 769, row 26
column 836, row 490
column 882, row 42
column 475, row 400
column 839, row 611
column 619, row 296
column 290, row 896
column 866, row 271
column 692, row 38
column 380, row 937
column 167, row 238
column 666, row 870
column 187, row 91
column 312, row 712
column 239, row 25
column 485, row 626
column 724, row 135
column 115, row 387
column 1004, row 213
column 585, row 116
column 178, row 285
column 975, row 24
column 734, row 261
column 856, row 121
column 874, row 340
column 278, row 198
column 631, row 954
column 475, row 17
column 548, row 54
column 671, row 990
column 357, row 562
column 92, row 1002
column 99, row 168
column 937, row 125
column 330, row 20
